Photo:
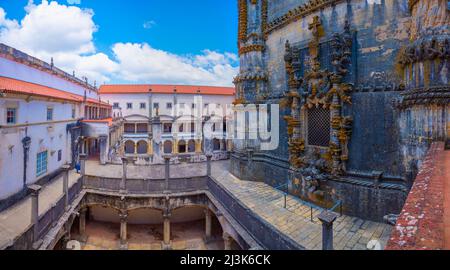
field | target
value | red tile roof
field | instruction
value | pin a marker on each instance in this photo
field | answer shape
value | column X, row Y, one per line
column 166, row 89
column 10, row 85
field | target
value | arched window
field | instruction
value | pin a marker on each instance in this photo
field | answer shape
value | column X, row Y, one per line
column 142, row 147
column 182, row 146
column 191, row 146
column 129, row 147
column 168, row 147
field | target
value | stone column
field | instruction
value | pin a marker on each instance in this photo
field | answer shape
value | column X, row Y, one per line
column 123, row 229
column 166, row 244
column 208, row 164
column 198, row 146
column 83, row 158
column 82, row 224
column 167, row 172
column 208, row 225
column 103, row 145
column 226, row 241
column 123, row 182
column 35, row 190
column 327, row 218
column 66, row 169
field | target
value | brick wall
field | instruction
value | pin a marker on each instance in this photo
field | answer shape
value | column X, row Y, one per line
column 420, row 225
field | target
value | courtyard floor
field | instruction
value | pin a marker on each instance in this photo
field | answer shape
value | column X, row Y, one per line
column 185, row 236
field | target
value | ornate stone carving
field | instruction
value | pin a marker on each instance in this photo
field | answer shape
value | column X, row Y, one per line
column 425, row 50
column 251, row 48
column 320, row 87
column 243, row 20
column 437, row 95
column 298, row 13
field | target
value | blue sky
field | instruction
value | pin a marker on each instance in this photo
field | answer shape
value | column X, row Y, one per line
column 97, row 37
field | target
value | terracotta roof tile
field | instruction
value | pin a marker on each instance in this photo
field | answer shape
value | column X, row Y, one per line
column 165, row 89
column 10, row 85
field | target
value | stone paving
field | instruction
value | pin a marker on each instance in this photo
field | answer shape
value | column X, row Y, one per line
column 15, row 220
column 350, row 233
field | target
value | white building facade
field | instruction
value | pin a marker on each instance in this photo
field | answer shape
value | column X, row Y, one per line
column 42, row 110
column 171, row 120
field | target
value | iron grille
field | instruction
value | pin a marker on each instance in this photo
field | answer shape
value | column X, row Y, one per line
column 319, row 127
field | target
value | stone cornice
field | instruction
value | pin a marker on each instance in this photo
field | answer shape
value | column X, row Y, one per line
column 298, row 13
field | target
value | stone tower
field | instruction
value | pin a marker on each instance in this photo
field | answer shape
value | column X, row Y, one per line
column 364, row 90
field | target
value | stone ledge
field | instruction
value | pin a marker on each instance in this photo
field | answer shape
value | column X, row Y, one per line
column 421, row 222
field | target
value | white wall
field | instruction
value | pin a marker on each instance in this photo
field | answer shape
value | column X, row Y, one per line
column 22, row 72
column 162, row 99
column 51, row 137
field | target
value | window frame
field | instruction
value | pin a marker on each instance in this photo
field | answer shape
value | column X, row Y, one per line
column 143, row 105
column 14, row 117
column 40, row 169
column 129, row 105
column 50, row 112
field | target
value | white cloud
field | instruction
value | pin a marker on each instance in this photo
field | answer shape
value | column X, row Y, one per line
column 66, row 33
column 73, row 2
column 149, row 24
column 142, row 63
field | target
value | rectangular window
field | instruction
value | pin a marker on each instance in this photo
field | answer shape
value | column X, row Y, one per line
column 319, row 127
column 59, row 155
column 49, row 114
column 129, row 106
column 11, row 116
column 41, row 163
column 73, row 113
column 169, row 105
column 156, row 105
column 167, row 128
column 193, row 106
column 143, row 105
column 116, row 105
column 142, row 128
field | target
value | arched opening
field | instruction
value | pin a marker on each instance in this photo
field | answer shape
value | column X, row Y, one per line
column 191, row 146
column 129, row 147
column 142, row 147
column 182, row 146
column 216, row 145
column 168, row 147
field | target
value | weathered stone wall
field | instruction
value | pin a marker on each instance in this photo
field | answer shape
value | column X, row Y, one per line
column 398, row 75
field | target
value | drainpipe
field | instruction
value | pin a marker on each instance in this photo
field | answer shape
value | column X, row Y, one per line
column 26, row 142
